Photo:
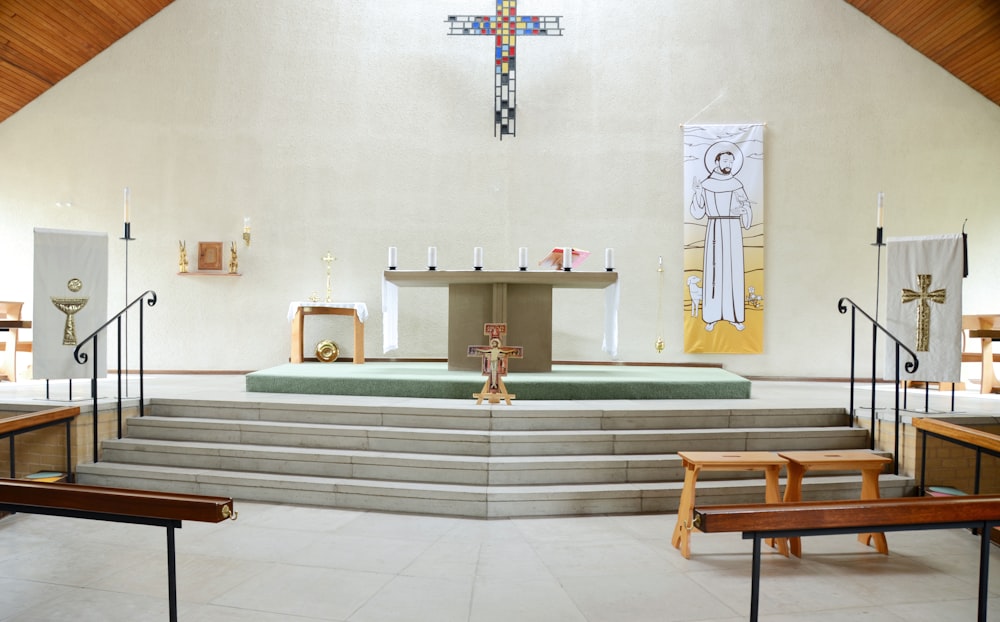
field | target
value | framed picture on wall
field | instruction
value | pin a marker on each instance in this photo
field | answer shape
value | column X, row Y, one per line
column 209, row 255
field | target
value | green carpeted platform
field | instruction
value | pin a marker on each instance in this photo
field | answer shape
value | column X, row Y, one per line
column 564, row 382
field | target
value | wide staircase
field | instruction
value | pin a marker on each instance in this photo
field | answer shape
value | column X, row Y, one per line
column 463, row 460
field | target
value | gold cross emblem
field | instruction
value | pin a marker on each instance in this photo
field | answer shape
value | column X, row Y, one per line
column 924, row 296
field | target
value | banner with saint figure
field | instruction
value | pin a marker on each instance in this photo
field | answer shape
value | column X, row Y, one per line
column 724, row 238
column 70, row 302
column 924, row 305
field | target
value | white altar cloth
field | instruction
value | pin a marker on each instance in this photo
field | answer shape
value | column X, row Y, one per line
column 390, row 317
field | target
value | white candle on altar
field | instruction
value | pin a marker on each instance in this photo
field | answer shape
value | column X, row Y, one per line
column 477, row 257
column 567, row 258
column 432, row 257
column 609, row 259
column 880, row 215
column 392, row 257
column 522, row 258
column 126, row 205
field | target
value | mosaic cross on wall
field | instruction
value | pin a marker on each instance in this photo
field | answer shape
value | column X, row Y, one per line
column 506, row 26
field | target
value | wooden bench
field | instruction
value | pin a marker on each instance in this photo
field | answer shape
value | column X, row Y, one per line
column 696, row 461
column 141, row 507
column 11, row 427
column 870, row 465
column 790, row 520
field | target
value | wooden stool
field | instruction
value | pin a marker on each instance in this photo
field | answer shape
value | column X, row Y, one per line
column 695, row 461
column 870, row 465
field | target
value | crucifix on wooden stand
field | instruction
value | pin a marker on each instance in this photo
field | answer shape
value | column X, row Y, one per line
column 495, row 358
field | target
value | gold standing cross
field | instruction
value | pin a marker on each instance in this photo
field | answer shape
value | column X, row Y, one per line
column 329, row 259
column 925, row 296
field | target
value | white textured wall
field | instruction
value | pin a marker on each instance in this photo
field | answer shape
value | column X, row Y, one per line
column 351, row 126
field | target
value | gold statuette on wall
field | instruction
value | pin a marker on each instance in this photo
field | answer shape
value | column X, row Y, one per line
column 182, row 261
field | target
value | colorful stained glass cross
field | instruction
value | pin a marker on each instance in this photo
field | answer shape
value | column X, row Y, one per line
column 506, row 26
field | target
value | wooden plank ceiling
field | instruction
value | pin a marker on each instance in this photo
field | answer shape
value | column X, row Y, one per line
column 43, row 41
column 963, row 36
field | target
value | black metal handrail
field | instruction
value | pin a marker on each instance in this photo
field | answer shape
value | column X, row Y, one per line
column 82, row 357
column 910, row 366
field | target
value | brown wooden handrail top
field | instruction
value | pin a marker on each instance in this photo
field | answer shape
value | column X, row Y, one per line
column 972, row 436
column 116, row 501
column 871, row 513
column 9, row 425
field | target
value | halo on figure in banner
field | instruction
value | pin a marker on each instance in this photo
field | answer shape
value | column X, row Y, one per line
column 722, row 147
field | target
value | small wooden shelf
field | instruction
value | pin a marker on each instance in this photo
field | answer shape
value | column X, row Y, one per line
column 206, row 273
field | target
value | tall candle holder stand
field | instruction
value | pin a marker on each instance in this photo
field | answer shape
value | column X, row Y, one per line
column 127, row 237
column 878, row 274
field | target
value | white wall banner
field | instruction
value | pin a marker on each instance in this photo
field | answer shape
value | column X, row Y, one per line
column 70, row 302
column 924, row 307
column 724, row 238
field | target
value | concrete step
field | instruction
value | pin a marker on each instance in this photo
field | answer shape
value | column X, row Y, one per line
column 480, row 501
column 527, row 416
column 491, row 443
column 407, row 467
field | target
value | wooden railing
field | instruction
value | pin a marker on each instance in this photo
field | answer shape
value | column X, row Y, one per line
column 141, row 507
column 789, row 520
column 977, row 440
column 11, row 427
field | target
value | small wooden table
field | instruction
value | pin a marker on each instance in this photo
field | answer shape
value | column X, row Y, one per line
column 695, row 461
column 870, row 465
column 989, row 379
column 297, row 312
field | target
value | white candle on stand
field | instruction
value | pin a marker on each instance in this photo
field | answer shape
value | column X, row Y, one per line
column 880, row 216
column 609, row 259
column 432, row 257
column 477, row 257
column 126, row 205
column 522, row 258
column 392, row 257
column 567, row 258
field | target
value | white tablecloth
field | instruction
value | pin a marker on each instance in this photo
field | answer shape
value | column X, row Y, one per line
column 359, row 307
column 390, row 317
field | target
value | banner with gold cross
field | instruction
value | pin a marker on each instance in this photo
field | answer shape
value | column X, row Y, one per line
column 924, row 305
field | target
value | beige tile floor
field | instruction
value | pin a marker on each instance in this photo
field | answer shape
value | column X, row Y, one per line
column 291, row 563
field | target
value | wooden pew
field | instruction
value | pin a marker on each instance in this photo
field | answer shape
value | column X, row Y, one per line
column 11, row 427
column 142, row 507
column 788, row 520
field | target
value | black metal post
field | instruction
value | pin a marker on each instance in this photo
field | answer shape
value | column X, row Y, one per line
column 96, row 350
column 172, row 574
column 874, row 346
column 895, row 451
column 119, row 325
column 755, row 580
column 142, row 398
column 854, row 315
column 984, row 569
column 923, row 463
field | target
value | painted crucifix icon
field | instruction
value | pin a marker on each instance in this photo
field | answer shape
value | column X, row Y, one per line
column 495, row 357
